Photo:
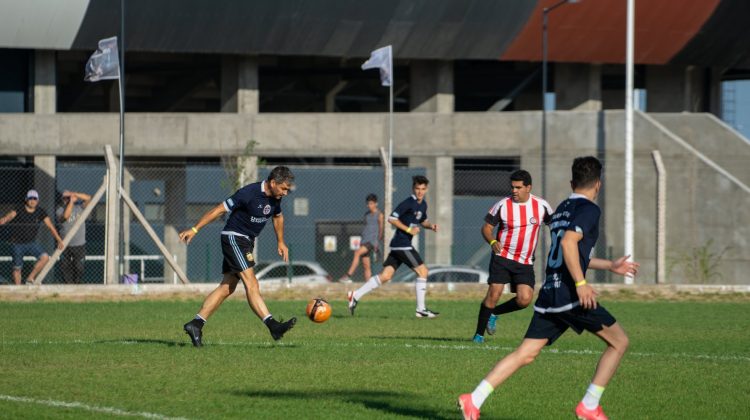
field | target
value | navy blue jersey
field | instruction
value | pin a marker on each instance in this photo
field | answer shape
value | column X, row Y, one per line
column 250, row 208
column 411, row 213
column 576, row 213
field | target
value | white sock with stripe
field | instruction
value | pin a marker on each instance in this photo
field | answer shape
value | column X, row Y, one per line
column 368, row 287
column 592, row 396
column 420, row 286
column 483, row 390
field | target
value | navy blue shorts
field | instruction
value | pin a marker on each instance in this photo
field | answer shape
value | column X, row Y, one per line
column 238, row 253
column 22, row 250
column 552, row 325
column 503, row 270
column 409, row 257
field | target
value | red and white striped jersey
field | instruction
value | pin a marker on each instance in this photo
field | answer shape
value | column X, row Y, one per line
column 519, row 226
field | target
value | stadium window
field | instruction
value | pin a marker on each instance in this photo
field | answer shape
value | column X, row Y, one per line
column 483, row 176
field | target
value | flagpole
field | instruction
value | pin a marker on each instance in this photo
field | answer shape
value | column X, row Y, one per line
column 120, row 172
column 389, row 178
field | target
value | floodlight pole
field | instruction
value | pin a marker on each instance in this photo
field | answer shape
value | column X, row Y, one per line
column 629, row 47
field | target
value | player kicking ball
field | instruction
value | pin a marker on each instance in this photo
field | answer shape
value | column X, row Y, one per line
column 249, row 209
column 566, row 300
column 406, row 218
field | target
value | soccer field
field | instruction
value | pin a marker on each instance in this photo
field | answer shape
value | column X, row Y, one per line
column 103, row 359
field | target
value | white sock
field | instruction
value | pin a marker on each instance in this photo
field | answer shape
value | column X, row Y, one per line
column 368, row 287
column 420, row 286
column 483, row 390
column 592, row 396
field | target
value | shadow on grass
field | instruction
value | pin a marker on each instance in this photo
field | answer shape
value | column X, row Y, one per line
column 389, row 403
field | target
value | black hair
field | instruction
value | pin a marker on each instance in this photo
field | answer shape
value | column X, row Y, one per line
column 585, row 171
column 371, row 197
column 419, row 180
column 281, row 174
column 521, row 175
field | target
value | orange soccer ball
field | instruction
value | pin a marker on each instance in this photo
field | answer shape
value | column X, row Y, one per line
column 318, row 310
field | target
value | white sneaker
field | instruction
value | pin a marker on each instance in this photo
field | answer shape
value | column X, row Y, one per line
column 352, row 302
column 345, row 279
column 426, row 313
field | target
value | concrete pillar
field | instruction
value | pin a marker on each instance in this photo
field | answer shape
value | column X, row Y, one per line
column 45, row 93
column 439, row 170
column 578, row 87
column 678, row 89
column 431, row 86
column 174, row 217
column 239, row 84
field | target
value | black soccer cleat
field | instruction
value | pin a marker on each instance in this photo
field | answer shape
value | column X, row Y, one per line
column 278, row 329
column 193, row 329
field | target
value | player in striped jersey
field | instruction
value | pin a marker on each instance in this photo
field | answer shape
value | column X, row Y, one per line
column 519, row 219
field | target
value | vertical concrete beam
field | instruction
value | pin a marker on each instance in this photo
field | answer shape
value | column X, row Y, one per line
column 682, row 89
column 578, row 87
column 431, row 86
column 45, row 93
column 239, row 84
column 174, row 215
column 439, row 170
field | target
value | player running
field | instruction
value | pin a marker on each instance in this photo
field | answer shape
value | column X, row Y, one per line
column 406, row 218
column 518, row 218
column 250, row 208
column 566, row 300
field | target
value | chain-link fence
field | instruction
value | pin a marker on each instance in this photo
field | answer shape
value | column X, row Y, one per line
column 324, row 216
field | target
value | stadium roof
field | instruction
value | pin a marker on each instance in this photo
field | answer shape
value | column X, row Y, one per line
column 707, row 32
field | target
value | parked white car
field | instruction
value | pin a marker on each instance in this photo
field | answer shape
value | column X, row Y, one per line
column 300, row 272
column 446, row 274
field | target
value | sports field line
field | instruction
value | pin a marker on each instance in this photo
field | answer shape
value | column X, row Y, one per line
column 470, row 347
column 86, row 407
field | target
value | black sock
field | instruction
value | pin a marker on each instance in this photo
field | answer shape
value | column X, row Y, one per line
column 484, row 316
column 508, row 306
column 269, row 321
column 200, row 321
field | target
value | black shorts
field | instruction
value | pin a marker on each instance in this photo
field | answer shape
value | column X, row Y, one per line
column 238, row 253
column 503, row 270
column 410, row 257
column 552, row 325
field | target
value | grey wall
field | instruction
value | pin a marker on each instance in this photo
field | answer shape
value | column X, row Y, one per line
column 702, row 204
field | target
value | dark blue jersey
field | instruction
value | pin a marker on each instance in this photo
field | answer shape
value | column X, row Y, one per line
column 250, row 208
column 411, row 213
column 576, row 213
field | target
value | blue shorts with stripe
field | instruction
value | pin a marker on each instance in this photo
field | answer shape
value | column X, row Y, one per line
column 238, row 253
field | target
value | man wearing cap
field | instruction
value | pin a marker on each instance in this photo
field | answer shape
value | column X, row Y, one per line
column 71, row 260
column 26, row 219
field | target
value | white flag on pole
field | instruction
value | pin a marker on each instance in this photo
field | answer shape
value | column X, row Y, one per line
column 104, row 62
column 381, row 59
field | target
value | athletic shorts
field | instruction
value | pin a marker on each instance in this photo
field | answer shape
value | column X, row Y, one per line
column 21, row 250
column 238, row 253
column 552, row 325
column 503, row 270
column 409, row 257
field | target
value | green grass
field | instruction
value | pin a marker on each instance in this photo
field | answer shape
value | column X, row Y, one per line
column 686, row 360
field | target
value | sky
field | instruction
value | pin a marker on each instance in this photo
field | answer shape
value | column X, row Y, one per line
column 741, row 117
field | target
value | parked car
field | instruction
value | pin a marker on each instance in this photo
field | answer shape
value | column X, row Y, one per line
column 301, row 272
column 446, row 274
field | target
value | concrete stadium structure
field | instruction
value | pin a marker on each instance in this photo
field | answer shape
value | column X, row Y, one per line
column 212, row 107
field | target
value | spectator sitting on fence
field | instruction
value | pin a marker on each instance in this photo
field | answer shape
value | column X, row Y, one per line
column 71, row 261
column 372, row 234
column 24, row 222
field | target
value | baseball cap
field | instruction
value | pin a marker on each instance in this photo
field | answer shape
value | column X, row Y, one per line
column 32, row 194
